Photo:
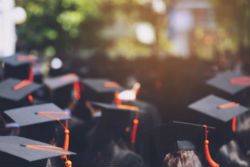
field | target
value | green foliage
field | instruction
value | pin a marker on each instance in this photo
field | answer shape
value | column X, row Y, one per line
column 55, row 24
column 234, row 17
column 79, row 27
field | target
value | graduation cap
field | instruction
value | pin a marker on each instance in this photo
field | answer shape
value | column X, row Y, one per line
column 218, row 108
column 231, row 82
column 42, row 117
column 15, row 93
column 115, row 119
column 61, row 88
column 37, row 114
column 102, row 90
column 14, row 148
column 176, row 136
column 19, row 66
column 220, row 113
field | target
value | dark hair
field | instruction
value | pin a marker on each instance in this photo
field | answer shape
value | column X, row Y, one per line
column 182, row 159
column 230, row 155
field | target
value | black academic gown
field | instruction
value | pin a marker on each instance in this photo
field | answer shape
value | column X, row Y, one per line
column 231, row 155
column 149, row 117
column 113, row 155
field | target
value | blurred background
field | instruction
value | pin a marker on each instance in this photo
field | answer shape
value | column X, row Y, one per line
column 170, row 46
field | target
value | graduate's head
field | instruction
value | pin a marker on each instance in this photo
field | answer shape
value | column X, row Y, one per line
column 182, row 158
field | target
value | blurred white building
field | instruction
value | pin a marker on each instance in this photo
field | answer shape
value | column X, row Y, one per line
column 9, row 17
column 185, row 15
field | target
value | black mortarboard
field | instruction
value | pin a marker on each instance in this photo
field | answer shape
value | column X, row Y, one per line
column 231, row 82
column 220, row 113
column 18, row 66
column 115, row 116
column 14, row 148
column 114, row 120
column 37, row 114
column 60, row 81
column 218, row 108
column 102, row 90
column 14, row 93
column 61, row 88
column 43, row 117
column 172, row 137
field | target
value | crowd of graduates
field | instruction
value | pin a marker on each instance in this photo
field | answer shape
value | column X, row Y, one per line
column 151, row 112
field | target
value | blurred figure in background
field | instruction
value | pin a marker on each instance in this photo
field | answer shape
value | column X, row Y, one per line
column 9, row 17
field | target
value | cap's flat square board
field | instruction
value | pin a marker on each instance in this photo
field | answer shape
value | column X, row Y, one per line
column 210, row 106
column 231, row 82
column 25, row 116
column 102, row 85
column 61, row 81
column 19, row 59
column 7, row 89
column 14, row 145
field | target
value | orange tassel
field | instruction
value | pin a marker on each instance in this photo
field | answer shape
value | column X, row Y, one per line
column 234, row 124
column 68, row 163
column 134, row 130
column 22, row 84
column 208, row 156
column 66, row 140
column 30, row 98
column 77, row 90
column 31, row 74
